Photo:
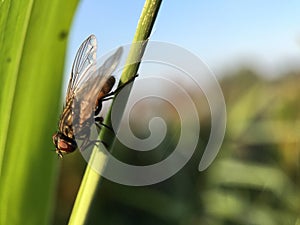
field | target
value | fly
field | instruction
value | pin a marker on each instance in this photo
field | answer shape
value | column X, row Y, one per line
column 87, row 89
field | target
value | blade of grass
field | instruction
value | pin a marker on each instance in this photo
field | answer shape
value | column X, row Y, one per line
column 32, row 42
column 91, row 178
column 11, row 45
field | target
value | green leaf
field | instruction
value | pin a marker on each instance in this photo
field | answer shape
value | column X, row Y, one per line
column 32, row 42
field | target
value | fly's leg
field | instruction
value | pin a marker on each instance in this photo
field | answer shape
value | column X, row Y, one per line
column 99, row 123
column 88, row 143
column 107, row 96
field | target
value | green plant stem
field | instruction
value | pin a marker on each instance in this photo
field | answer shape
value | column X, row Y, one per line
column 91, row 177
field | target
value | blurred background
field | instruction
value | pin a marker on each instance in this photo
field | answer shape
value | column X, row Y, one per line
column 253, row 47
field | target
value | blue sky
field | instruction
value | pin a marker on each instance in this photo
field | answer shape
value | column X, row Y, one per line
column 224, row 34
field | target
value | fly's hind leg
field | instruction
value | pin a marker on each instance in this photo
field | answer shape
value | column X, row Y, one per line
column 99, row 123
column 108, row 95
column 104, row 96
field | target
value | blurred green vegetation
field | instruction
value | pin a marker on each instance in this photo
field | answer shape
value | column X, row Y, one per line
column 254, row 179
column 33, row 38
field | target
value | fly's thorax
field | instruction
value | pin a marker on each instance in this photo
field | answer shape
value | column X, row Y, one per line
column 67, row 120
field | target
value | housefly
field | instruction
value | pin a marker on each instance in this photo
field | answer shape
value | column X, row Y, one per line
column 87, row 89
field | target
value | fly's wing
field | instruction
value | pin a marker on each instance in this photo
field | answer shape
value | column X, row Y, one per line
column 88, row 92
column 83, row 64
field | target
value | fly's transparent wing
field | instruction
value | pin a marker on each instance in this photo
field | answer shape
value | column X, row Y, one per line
column 84, row 60
column 87, row 93
column 110, row 65
column 93, row 85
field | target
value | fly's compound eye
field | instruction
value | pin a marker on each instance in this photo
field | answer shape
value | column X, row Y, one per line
column 62, row 145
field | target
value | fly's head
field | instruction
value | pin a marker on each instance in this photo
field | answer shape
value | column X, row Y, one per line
column 63, row 144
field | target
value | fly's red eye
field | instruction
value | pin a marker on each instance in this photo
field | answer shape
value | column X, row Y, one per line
column 62, row 145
